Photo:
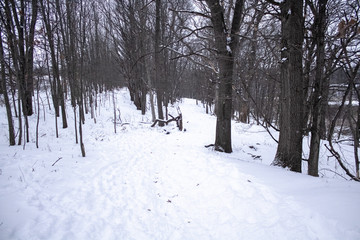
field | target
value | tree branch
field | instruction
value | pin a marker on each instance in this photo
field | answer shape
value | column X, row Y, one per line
column 239, row 5
column 274, row 2
column 338, row 158
column 190, row 12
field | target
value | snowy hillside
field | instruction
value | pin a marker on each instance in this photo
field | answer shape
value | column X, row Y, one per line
column 160, row 183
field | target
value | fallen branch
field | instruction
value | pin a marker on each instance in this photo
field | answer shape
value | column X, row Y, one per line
column 164, row 121
column 56, row 161
column 216, row 148
column 177, row 119
column 122, row 124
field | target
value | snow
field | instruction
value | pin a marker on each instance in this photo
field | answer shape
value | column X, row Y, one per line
column 283, row 60
column 228, row 42
column 338, row 103
column 228, row 49
column 160, row 183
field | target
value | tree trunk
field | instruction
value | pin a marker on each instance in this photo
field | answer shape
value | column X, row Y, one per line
column 6, row 97
column 224, row 106
column 19, row 122
column 226, row 44
column 152, row 107
column 58, row 88
column 29, row 85
column 20, row 36
column 158, row 77
column 320, row 22
column 82, row 147
column 356, row 143
column 289, row 151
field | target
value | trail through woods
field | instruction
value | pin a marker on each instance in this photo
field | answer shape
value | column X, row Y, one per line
column 160, row 183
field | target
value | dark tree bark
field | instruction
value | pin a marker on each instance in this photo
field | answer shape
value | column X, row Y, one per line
column 19, row 20
column 320, row 24
column 289, row 151
column 158, row 77
column 6, row 97
column 20, row 27
column 226, row 44
column 57, row 88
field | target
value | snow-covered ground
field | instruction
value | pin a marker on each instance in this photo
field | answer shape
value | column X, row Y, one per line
column 160, row 183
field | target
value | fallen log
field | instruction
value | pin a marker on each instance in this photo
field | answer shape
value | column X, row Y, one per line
column 178, row 120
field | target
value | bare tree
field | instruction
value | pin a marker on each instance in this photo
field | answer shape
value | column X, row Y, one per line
column 226, row 43
column 289, row 151
column 319, row 35
column 56, row 85
column 71, row 30
column 157, row 62
column 19, row 20
column 5, row 92
column 348, row 34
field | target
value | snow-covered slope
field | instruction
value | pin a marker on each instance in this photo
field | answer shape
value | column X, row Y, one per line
column 160, row 183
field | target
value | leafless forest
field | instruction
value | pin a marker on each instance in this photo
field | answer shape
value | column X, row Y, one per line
column 289, row 65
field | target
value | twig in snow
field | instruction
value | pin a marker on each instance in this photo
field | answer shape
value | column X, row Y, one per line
column 56, row 161
column 22, row 174
column 327, row 169
column 33, row 166
column 210, row 145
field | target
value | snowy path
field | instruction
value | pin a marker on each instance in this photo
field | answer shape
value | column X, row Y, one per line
column 145, row 184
